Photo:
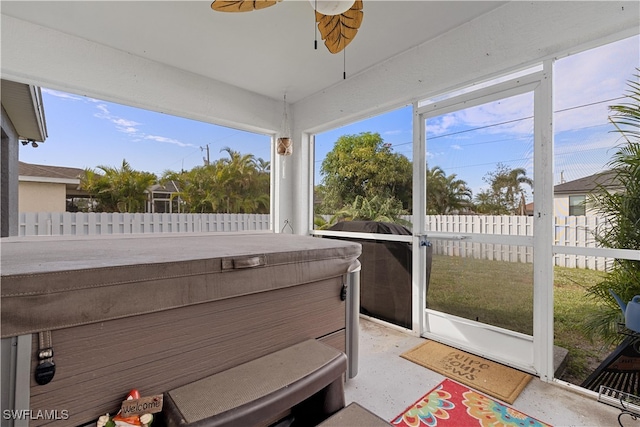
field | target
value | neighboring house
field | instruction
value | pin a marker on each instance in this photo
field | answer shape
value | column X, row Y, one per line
column 528, row 209
column 48, row 188
column 44, row 188
column 160, row 198
column 570, row 197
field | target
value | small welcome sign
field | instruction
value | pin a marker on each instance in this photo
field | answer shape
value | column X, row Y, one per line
column 144, row 405
column 134, row 411
column 484, row 375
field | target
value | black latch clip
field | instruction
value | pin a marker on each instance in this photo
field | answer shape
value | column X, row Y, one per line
column 46, row 369
column 343, row 293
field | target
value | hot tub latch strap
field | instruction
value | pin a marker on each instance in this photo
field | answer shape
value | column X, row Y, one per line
column 46, row 369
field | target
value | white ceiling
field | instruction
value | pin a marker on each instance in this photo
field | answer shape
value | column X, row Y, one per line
column 269, row 51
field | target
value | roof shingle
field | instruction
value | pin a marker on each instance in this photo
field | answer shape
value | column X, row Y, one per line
column 28, row 169
column 588, row 184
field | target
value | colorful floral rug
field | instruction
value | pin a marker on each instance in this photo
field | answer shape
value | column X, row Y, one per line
column 453, row 404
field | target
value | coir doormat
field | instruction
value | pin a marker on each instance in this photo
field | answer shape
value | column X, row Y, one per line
column 453, row 404
column 492, row 378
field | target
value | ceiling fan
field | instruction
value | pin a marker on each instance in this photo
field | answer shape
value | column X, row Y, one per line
column 338, row 20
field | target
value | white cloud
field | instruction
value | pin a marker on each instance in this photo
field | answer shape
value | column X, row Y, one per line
column 595, row 75
column 124, row 122
column 168, row 140
column 61, row 95
column 456, row 147
column 68, row 96
column 130, row 127
column 103, row 108
column 605, row 141
column 441, row 124
column 577, row 158
column 509, row 115
column 585, row 117
column 122, row 125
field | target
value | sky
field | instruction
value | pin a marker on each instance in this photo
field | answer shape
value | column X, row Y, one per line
column 86, row 133
column 470, row 143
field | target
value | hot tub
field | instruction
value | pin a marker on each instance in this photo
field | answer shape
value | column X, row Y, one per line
column 154, row 312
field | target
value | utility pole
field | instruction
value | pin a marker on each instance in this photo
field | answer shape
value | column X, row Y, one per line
column 206, row 159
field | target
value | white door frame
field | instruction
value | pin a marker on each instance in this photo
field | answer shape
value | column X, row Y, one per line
column 533, row 354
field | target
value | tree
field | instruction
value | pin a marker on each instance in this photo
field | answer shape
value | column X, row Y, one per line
column 238, row 184
column 247, row 188
column 363, row 165
column 505, row 194
column 446, row 194
column 487, row 203
column 199, row 190
column 374, row 209
column 621, row 209
column 263, row 165
column 118, row 189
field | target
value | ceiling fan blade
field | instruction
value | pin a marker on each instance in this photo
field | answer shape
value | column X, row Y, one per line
column 241, row 5
column 339, row 30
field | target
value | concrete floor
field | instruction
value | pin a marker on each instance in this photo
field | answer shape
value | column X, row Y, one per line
column 387, row 384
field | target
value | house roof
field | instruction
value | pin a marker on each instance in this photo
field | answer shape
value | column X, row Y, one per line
column 587, row 184
column 169, row 187
column 51, row 172
column 23, row 104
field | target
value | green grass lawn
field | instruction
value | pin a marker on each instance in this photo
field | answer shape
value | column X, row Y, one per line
column 501, row 293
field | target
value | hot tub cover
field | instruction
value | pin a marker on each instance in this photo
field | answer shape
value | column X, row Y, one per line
column 371, row 227
column 51, row 283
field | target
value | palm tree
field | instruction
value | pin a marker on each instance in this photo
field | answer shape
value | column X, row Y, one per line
column 118, row 189
column 238, row 184
column 92, row 183
column 246, row 181
column 446, row 194
column 320, row 223
column 487, row 203
column 621, row 209
column 506, row 192
column 435, row 187
column 512, row 183
column 381, row 209
column 263, row 165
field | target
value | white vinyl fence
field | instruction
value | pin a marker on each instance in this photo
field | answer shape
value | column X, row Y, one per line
column 492, row 225
column 577, row 231
column 80, row 223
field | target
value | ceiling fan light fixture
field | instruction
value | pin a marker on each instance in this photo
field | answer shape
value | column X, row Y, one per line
column 331, row 7
column 338, row 20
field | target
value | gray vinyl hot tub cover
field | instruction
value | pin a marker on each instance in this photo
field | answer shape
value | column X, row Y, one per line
column 51, row 283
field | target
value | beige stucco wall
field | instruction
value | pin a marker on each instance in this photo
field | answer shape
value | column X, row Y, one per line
column 41, row 197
